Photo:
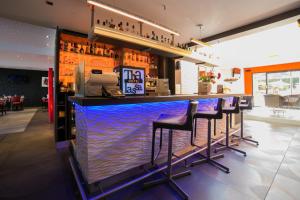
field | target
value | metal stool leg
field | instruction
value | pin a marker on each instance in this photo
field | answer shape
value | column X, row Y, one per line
column 153, row 146
column 215, row 127
column 227, row 145
column 169, row 177
column 247, row 138
column 160, row 141
column 209, row 158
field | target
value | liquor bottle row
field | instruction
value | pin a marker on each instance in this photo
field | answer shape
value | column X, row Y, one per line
column 127, row 27
column 102, row 50
column 89, row 48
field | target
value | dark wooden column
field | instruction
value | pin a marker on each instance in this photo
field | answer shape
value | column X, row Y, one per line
column 166, row 69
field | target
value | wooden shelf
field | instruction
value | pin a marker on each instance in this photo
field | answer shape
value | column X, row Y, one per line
column 141, row 43
column 135, row 39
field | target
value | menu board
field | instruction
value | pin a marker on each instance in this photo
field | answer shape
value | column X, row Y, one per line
column 133, row 80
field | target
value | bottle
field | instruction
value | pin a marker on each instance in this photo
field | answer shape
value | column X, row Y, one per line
column 65, row 46
column 121, row 26
column 128, row 56
column 87, row 48
column 111, row 24
column 75, row 47
column 104, row 51
column 72, row 47
column 112, row 53
column 61, row 45
column 81, row 50
column 133, row 56
column 153, row 35
column 95, row 49
column 116, row 55
column 98, row 50
column 91, row 49
column 127, row 26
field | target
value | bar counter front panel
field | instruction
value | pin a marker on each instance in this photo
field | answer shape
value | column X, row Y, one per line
column 111, row 139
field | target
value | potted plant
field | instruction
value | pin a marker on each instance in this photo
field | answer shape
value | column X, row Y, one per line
column 206, row 79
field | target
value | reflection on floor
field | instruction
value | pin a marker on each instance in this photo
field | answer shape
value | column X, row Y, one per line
column 274, row 115
column 31, row 168
column 16, row 121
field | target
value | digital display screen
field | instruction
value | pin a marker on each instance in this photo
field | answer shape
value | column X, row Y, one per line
column 133, row 81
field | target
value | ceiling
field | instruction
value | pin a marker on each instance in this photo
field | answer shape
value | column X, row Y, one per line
column 183, row 16
column 27, row 45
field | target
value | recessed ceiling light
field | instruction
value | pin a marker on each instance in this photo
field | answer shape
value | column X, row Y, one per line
column 47, row 36
column 47, row 44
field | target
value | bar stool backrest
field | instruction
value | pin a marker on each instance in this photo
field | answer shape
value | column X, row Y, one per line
column 248, row 101
column 235, row 104
column 219, row 108
column 191, row 110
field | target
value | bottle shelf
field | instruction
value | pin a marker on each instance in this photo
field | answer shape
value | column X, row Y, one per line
column 135, row 39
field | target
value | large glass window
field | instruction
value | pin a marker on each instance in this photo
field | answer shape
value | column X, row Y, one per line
column 282, row 89
column 279, row 83
column 295, row 75
column 259, row 88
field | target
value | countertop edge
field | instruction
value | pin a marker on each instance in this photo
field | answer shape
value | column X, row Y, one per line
column 100, row 101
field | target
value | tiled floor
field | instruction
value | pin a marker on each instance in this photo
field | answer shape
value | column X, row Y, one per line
column 275, row 115
column 31, row 168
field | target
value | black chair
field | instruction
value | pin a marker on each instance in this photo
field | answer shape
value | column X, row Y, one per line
column 209, row 115
column 246, row 104
column 232, row 109
column 172, row 122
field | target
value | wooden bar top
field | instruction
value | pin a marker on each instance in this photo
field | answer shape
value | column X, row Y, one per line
column 99, row 101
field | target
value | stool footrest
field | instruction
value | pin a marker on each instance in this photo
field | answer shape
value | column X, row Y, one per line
column 240, row 151
column 182, row 174
column 204, row 159
column 212, row 162
column 223, row 147
column 219, row 166
column 250, row 140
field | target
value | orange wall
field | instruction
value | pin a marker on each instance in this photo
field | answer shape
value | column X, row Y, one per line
column 248, row 72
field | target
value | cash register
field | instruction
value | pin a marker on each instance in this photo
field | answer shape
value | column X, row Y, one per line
column 98, row 84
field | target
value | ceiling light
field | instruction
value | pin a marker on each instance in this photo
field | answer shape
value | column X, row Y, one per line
column 47, row 36
column 126, row 14
column 198, row 42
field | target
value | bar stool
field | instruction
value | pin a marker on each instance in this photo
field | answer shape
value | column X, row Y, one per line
column 209, row 115
column 172, row 122
column 233, row 109
column 246, row 104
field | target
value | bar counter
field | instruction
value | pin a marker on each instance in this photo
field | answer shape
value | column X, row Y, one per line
column 113, row 135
